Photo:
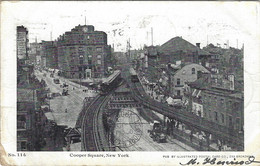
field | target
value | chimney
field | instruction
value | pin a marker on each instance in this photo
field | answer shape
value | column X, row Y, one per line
column 198, row 45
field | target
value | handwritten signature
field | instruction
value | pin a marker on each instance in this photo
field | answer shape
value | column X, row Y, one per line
column 213, row 161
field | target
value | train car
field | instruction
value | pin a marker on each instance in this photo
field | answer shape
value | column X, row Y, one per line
column 134, row 77
column 110, row 82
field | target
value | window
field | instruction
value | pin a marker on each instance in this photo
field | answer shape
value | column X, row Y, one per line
column 88, row 74
column 222, row 118
column 216, row 116
column 178, row 81
column 229, row 104
column 21, row 122
column 193, row 71
column 230, row 121
column 237, row 123
column 178, row 92
column 222, row 101
column 99, row 48
column 209, row 114
column 99, row 56
column 23, row 145
column 235, row 106
column 99, row 62
column 81, row 61
column 209, row 99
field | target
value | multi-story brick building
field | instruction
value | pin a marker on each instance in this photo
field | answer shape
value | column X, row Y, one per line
column 34, row 52
column 151, row 63
column 26, row 116
column 50, row 52
column 216, row 99
column 83, row 53
column 22, row 42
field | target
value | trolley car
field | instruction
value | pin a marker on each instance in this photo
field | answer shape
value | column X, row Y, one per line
column 134, row 77
column 110, row 82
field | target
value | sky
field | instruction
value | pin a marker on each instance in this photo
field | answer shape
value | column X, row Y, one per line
column 196, row 22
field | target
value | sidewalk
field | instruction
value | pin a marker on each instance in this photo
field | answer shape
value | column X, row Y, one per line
column 189, row 148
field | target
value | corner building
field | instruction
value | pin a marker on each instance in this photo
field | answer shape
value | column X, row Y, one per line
column 83, row 53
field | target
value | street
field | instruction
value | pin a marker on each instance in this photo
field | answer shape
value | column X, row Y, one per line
column 145, row 143
column 65, row 109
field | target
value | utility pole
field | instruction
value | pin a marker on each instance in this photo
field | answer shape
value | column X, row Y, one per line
column 207, row 40
column 129, row 53
column 152, row 35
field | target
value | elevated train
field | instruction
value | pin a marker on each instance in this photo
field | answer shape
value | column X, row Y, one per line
column 110, row 82
column 133, row 75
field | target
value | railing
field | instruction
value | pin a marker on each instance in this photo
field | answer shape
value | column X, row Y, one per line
column 186, row 117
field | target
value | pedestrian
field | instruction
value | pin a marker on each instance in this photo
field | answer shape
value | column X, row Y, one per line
column 66, row 110
column 219, row 147
column 68, row 147
column 191, row 136
column 200, row 144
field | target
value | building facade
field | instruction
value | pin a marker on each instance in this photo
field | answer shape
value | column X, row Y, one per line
column 178, row 49
column 183, row 74
column 221, row 103
column 83, row 53
column 22, row 42
column 50, row 52
column 26, row 116
column 34, row 52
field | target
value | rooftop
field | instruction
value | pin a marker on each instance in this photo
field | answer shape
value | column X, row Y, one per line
column 178, row 44
column 205, row 83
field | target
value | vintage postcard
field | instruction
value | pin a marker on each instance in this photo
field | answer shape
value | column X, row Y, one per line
column 130, row 83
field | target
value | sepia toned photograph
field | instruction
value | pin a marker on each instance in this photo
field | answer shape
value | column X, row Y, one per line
column 130, row 78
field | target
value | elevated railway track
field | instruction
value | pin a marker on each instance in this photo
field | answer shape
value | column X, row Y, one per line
column 93, row 136
column 184, row 116
column 181, row 115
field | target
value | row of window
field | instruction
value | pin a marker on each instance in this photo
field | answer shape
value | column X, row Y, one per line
column 220, row 102
column 221, row 118
column 99, row 49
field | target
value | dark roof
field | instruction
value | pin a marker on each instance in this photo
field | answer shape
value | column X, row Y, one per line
column 201, row 83
column 178, row 44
